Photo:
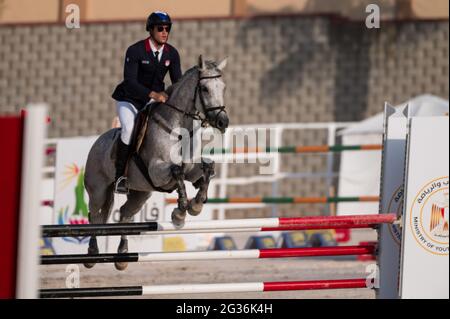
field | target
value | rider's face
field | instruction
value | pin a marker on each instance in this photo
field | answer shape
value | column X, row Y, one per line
column 160, row 33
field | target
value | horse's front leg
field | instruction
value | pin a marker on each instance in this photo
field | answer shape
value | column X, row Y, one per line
column 179, row 213
column 196, row 204
column 135, row 201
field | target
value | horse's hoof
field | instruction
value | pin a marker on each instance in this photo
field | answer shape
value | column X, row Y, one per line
column 195, row 208
column 121, row 265
column 178, row 217
column 92, row 250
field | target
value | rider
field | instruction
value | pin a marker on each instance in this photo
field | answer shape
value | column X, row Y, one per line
column 146, row 65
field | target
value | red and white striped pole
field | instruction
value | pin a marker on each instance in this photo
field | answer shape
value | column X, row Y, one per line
column 230, row 225
column 205, row 288
column 368, row 249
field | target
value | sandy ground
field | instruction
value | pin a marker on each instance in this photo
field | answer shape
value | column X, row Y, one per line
column 226, row 271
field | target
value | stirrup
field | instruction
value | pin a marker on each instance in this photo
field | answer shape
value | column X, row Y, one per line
column 121, row 186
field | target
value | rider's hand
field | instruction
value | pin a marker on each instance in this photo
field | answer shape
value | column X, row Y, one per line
column 159, row 97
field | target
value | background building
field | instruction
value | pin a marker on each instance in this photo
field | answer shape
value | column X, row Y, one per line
column 14, row 11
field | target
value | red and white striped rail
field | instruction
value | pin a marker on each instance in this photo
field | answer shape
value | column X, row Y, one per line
column 204, row 288
column 359, row 250
column 229, row 225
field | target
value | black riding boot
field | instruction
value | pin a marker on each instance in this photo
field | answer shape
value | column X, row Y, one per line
column 123, row 150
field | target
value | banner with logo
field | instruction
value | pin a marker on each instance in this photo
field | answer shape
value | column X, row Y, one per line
column 70, row 199
column 71, row 203
column 425, row 245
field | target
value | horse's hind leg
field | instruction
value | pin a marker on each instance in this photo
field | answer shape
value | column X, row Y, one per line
column 135, row 201
column 179, row 213
column 100, row 204
column 196, row 204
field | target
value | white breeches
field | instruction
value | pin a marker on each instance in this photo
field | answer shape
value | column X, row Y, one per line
column 127, row 114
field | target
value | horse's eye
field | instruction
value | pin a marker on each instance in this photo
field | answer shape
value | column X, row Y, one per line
column 204, row 89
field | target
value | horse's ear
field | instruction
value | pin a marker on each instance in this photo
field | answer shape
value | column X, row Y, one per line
column 222, row 64
column 201, row 63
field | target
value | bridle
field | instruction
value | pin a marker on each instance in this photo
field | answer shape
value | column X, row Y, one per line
column 197, row 115
column 207, row 109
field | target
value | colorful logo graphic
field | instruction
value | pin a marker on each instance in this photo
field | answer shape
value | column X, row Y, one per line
column 79, row 215
column 439, row 218
column 46, row 247
column 429, row 217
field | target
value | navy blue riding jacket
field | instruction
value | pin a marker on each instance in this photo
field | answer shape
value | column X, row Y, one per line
column 143, row 73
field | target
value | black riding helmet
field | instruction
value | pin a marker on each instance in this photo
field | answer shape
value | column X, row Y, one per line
column 158, row 18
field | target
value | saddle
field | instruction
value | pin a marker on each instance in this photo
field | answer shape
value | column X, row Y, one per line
column 141, row 125
column 140, row 128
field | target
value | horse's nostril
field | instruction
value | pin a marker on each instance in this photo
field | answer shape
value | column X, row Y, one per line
column 220, row 124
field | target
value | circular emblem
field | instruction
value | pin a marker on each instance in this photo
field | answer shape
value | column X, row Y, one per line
column 429, row 217
column 167, row 63
column 396, row 206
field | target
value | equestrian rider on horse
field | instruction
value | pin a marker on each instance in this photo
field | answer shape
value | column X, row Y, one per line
column 146, row 65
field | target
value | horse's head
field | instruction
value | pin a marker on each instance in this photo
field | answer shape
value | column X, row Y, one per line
column 210, row 92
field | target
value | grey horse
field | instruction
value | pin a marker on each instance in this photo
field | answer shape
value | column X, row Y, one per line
column 198, row 95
